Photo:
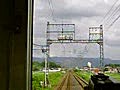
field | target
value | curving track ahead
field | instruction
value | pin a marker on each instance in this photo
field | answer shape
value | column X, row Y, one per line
column 71, row 81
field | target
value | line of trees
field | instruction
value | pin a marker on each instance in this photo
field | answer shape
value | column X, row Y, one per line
column 113, row 65
column 36, row 66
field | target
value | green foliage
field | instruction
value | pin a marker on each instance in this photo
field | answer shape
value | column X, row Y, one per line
column 114, row 75
column 36, row 66
column 54, row 65
column 42, row 64
column 75, row 70
column 54, row 78
column 113, row 65
column 36, row 78
column 51, row 64
column 84, row 74
column 105, row 69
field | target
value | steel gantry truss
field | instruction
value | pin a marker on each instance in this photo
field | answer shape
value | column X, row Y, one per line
column 65, row 33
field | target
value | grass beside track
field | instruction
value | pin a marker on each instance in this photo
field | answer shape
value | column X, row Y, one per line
column 54, row 78
column 114, row 75
column 84, row 74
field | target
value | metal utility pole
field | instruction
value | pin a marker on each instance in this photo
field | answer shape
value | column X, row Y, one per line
column 45, row 69
column 45, row 50
column 101, row 47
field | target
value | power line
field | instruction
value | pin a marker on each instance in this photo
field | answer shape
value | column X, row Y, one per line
column 51, row 8
column 113, row 22
column 113, row 14
column 109, row 10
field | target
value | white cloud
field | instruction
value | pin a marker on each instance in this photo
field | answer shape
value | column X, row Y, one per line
column 84, row 13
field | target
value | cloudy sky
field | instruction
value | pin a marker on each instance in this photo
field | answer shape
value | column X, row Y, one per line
column 82, row 13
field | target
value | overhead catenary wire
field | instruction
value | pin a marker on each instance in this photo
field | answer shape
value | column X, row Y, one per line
column 106, row 15
column 114, row 19
column 51, row 8
column 113, row 22
column 114, row 13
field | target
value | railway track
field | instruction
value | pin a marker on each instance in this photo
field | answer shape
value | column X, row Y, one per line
column 72, row 81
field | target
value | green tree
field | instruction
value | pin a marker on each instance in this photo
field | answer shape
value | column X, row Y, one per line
column 113, row 65
column 36, row 66
column 51, row 64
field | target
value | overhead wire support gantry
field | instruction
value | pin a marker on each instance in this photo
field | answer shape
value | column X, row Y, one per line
column 65, row 33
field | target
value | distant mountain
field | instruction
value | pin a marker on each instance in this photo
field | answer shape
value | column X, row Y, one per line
column 77, row 61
